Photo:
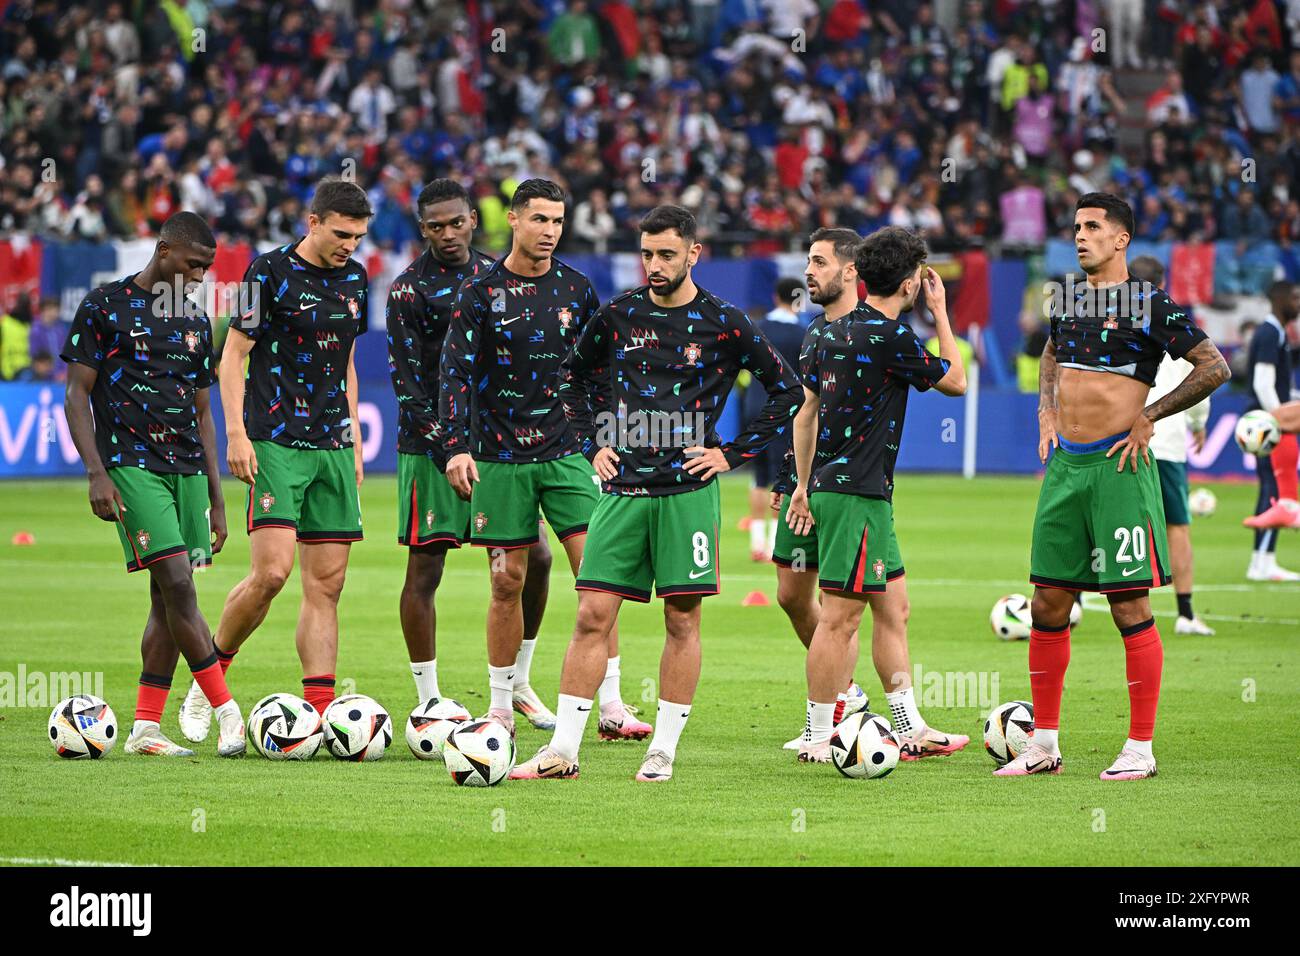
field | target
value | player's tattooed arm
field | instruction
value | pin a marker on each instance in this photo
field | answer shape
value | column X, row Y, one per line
column 1209, row 371
column 105, row 501
column 1047, row 422
column 784, row 395
column 208, row 439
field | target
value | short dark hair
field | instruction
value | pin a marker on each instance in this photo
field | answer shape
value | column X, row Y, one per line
column 1279, row 290
column 531, row 189
column 887, row 257
column 187, row 228
column 1147, row 269
column 667, row 216
column 845, row 241
column 787, row 289
column 441, row 190
column 1116, row 209
column 341, row 196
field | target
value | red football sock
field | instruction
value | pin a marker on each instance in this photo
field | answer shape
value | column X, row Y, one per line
column 1283, row 458
column 224, row 658
column 151, row 697
column 1145, row 657
column 1049, row 656
column 319, row 691
column 212, row 680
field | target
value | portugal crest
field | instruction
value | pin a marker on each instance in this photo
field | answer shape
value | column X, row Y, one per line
column 480, row 522
column 143, row 537
column 879, row 569
column 565, row 317
column 191, row 341
column 428, row 520
column 266, row 501
column 691, row 353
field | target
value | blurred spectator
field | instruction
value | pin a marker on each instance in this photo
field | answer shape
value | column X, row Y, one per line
column 592, row 222
column 48, row 335
column 15, row 338
column 41, row 369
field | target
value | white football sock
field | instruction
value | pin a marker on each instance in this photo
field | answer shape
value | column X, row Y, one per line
column 902, row 711
column 1139, row 746
column 771, row 534
column 425, row 674
column 1047, row 739
column 609, row 692
column 140, row 726
column 571, row 715
column 670, row 721
column 501, row 682
column 524, row 663
column 818, row 723
column 757, row 534
column 229, row 707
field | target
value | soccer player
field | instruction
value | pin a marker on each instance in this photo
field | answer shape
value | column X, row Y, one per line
column 832, row 277
column 431, row 517
column 140, row 364
column 667, row 354
column 856, row 374
column 1270, row 380
column 510, row 450
column 782, row 328
column 292, row 434
column 1100, row 521
column 1169, row 445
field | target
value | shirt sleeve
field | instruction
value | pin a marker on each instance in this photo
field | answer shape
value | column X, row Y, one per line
column 784, row 396
column 207, row 376
column 460, row 350
column 257, row 299
column 1265, row 345
column 88, row 336
column 808, row 369
column 911, row 363
column 1173, row 327
column 585, row 386
column 404, row 361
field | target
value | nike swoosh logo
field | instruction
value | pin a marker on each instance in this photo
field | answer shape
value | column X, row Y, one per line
column 508, row 321
column 700, row 574
column 1036, row 673
column 1132, row 682
column 136, row 333
column 1129, row 571
column 583, row 710
column 633, row 348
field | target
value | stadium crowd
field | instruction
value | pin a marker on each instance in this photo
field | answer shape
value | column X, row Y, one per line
column 767, row 118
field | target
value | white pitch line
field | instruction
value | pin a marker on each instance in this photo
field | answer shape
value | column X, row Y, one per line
column 60, row 861
column 1092, row 605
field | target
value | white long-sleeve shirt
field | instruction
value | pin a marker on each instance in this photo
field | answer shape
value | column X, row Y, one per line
column 1169, row 443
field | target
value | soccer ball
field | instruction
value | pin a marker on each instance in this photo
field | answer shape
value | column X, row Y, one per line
column 864, row 747
column 285, row 727
column 82, row 727
column 1257, row 432
column 1007, row 730
column 1010, row 618
column 1202, row 502
column 479, row 753
column 357, row 728
column 430, row 723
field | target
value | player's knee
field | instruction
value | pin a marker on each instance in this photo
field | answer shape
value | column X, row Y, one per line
column 681, row 627
column 539, row 558
column 424, row 574
column 324, row 587
column 592, row 624
column 177, row 591
column 269, row 580
column 508, row 582
column 1050, row 608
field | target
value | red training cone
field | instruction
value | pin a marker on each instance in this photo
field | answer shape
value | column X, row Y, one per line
column 755, row 599
column 23, row 538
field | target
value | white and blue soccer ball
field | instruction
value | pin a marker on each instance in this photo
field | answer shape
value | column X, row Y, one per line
column 1257, row 432
column 357, row 728
column 863, row 746
column 479, row 753
column 1202, row 503
column 82, row 727
column 1007, row 730
column 285, row 727
column 431, row 722
column 1010, row 618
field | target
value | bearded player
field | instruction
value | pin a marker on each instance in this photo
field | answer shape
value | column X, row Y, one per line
column 1100, row 524
column 665, row 356
column 510, row 451
column 431, row 517
column 292, row 434
column 152, row 461
column 856, row 375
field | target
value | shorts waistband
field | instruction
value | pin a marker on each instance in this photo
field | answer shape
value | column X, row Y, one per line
column 1084, row 448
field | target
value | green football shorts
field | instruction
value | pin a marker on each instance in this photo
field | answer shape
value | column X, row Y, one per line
column 669, row 541
column 165, row 515
column 508, row 500
column 856, row 544
column 797, row 551
column 313, row 492
column 1173, row 491
column 428, row 510
column 1099, row 529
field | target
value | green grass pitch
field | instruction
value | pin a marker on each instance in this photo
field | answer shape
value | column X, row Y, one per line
column 1226, row 739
